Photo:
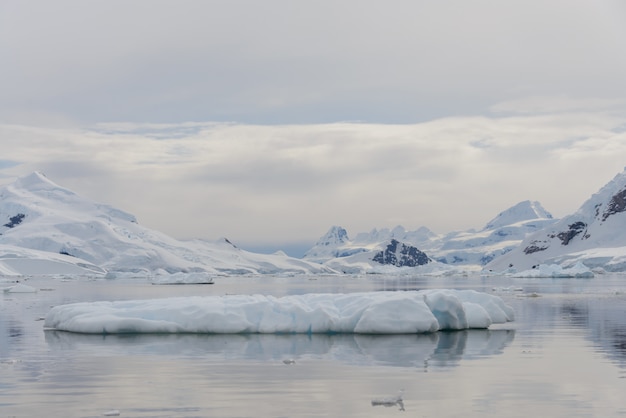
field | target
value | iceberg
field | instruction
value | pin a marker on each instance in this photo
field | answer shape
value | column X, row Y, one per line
column 390, row 401
column 183, row 278
column 352, row 313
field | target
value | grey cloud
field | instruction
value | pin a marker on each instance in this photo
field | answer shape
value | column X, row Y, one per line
column 290, row 182
column 281, row 62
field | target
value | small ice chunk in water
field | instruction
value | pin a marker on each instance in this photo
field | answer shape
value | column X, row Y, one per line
column 112, row 413
column 390, row 401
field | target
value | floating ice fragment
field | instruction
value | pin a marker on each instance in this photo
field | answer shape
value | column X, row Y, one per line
column 112, row 413
column 390, row 401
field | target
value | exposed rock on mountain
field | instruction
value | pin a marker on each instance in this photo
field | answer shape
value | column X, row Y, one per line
column 15, row 220
column 401, row 255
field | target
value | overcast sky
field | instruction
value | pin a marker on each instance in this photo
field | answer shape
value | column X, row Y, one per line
column 270, row 121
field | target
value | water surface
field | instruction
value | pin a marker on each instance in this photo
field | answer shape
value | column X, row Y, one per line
column 565, row 355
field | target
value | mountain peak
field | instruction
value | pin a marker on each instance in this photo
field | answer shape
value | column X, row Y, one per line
column 335, row 235
column 32, row 179
column 37, row 181
column 523, row 211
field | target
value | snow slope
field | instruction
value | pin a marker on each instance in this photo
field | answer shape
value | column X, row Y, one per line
column 593, row 235
column 37, row 214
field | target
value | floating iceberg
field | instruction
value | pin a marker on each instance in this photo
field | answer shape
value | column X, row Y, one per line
column 359, row 313
column 184, row 278
column 390, row 401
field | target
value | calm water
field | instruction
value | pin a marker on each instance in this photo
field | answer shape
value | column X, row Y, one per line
column 564, row 356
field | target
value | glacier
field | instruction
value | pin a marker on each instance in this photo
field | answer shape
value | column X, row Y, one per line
column 386, row 312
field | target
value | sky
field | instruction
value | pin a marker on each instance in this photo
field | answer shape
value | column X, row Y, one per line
column 269, row 122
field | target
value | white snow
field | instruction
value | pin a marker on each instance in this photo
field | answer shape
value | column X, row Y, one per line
column 359, row 313
column 525, row 210
column 556, row 271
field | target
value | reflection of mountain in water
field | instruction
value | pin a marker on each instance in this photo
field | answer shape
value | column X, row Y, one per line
column 604, row 320
column 442, row 349
column 601, row 316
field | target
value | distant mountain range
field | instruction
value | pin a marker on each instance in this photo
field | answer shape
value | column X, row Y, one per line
column 48, row 229
column 469, row 249
column 520, row 238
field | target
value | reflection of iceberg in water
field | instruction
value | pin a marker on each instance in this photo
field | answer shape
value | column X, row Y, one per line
column 443, row 349
column 604, row 320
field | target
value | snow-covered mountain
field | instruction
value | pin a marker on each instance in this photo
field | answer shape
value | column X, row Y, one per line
column 593, row 235
column 466, row 248
column 44, row 223
column 336, row 243
column 499, row 236
column 523, row 211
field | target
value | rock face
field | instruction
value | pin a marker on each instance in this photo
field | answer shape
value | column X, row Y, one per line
column 15, row 220
column 401, row 255
column 592, row 235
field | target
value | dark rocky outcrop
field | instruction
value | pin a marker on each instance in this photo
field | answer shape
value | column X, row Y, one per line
column 536, row 246
column 574, row 229
column 15, row 220
column 616, row 205
column 401, row 255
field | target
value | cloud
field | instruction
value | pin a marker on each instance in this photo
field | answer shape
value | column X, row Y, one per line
column 112, row 98
column 278, row 63
column 289, row 183
column 557, row 104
